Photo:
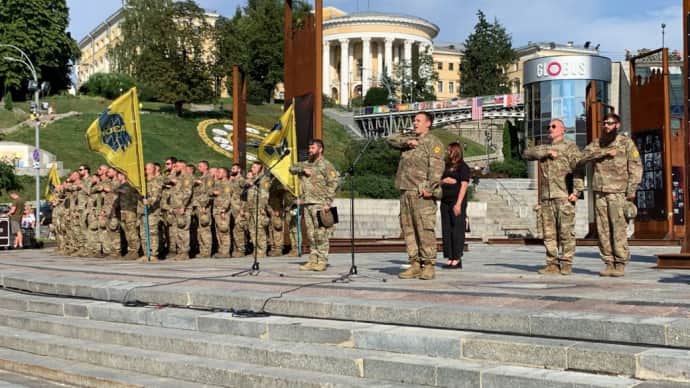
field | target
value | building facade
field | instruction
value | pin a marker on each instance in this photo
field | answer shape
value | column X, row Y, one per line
column 447, row 59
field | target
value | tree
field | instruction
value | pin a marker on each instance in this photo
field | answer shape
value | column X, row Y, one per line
column 38, row 27
column 416, row 79
column 376, row 96
column 163, row 43
column 488, row 50
column 8, row 180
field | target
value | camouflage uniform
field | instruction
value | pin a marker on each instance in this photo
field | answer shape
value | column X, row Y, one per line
column 129, row 202
column 238, row 222
column 203, row 208
column 109, row 220
column 78, row 230
column 557, row 212
column 276, row 227
column 154, row 187
column 93, row 236
column 318, row 192
column 615, row 178
column 167, row 218
column 257, row 213
column 291, row 211
column 221, row 214
column 420, row 168
column 181, row 207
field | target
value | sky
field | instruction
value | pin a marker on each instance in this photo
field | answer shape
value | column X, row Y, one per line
column 616, row 25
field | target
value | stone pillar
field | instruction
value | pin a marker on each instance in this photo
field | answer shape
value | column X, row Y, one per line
column 344, row 71
column 379, row 61
column 366, row 65
column 326, row 68
column 389, row 57
column 396, row 54
column 407, row 58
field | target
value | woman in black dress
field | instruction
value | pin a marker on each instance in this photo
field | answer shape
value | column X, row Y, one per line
column 454, row 182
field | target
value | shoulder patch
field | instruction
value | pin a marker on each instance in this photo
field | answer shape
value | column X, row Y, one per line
column 636, row 153
column 437, row 149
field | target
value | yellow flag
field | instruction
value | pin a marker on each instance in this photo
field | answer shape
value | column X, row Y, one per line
column 116, row 134
column 53, row 182
column 282, row 137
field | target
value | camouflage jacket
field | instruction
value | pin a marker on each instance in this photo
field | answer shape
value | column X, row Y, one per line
column 129, row 198
column 110, row 204
column 556, row 173
column 321, row 185
column 203, row 187
column 181, row 192
column 614, row 174
column 154, row 190
column 81, row 193
column 236, row 202
column 421, row 167
column 222, row 201
column 262, row 191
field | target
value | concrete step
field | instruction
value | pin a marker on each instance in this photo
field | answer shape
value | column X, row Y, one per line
column 81, row 374
column 340, row 347
column 218, row 370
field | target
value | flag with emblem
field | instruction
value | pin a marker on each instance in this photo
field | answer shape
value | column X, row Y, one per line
column 116, row 134
column 53, row 182
column 278, row 150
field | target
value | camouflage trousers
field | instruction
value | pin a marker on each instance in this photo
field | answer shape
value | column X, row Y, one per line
column 110, row 236
column 93, row 236
column 171, row 231
column 611, row 227
column 558, row 223
column 181, row 231
column 318, row 236
column 418, row 223
column 292, row 226
column 222, row 232
column 258, row 232
column 204, row 232
column 239, row 231
column 130, row 225
column 276, row 231
column 154, row 233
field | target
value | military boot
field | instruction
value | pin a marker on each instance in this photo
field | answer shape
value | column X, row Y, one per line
column 608, row 270
column 319, row 266
column 238, row 253
column 549, row 269
column 293, row 253
column 566, row 268
column 428, row 272
column 414, row 271
column 308, row 266
column 132, row 255
column 618, row 270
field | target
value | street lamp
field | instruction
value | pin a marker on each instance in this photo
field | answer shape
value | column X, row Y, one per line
column 37, row 152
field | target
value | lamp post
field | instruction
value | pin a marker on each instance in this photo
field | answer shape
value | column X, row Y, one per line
column 37, row 152
column 386, row 83
column 663, row 27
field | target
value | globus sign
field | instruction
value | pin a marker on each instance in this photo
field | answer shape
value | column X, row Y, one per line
column 563, row 67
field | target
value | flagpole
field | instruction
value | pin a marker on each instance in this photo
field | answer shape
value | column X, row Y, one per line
column 144, row 182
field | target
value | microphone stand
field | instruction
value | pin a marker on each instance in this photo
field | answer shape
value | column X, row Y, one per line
column 351, row 172
column 255, row 268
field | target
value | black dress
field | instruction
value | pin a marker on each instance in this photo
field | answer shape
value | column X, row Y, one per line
column 453, row 227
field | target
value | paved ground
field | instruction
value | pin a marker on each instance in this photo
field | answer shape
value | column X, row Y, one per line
column 497, row 276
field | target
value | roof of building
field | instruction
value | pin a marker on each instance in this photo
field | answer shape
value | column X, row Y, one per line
column 452, row 48
column 569, row 46
column 383, row 17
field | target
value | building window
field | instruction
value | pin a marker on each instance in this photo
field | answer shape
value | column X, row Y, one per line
column 451, row 88
column 440, row 86
column 450, row 66
column 440, row 65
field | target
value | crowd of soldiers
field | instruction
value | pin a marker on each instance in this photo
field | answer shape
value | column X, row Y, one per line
column 193, row 211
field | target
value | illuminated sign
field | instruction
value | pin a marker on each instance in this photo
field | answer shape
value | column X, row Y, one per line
column 564, row 67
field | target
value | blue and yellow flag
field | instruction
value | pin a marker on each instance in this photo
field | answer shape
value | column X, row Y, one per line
column 283, row 136
column 53, row 182
column 116, row 134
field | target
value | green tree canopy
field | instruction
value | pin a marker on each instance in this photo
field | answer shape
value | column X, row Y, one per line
column 415, row 80
column 8, row 180
column 38, row 27
column 488, row 50
column 163, row 45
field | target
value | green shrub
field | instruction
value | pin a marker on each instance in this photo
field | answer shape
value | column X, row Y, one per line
column 108, row 85
column 328, row 102
column 356, row 102
column 511, row 168
column 9, row 105
column 375, row 186
column 376, row 96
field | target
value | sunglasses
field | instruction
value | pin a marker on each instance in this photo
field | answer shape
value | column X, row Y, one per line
column 553, row 126
column 610, row 122
column 81, row 169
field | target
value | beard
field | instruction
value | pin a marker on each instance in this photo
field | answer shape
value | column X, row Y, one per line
column 313, row 157
column 607, row 138
column 234, row 173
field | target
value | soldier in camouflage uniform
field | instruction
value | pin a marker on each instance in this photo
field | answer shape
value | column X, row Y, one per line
column 154, row 186
column 81, row 189
column 318, row 182
column 129, row 201
column 617, row 173
column 167, row 216
column 276, row 209
column 418, row 178
column 203, row 207
column 93, row 209
column 181, row 206
column 257, row 208
column 109, row 219
column 59, row 211
column 291, row 210
column 560, row 186
column 238, row 205
column 222, row 196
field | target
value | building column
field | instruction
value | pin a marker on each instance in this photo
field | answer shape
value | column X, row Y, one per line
column 379, row 61
column 396, row 54
column 326, row 68
column 407, row 56
column 366, row 65
column 344, row 71
column 389, row 57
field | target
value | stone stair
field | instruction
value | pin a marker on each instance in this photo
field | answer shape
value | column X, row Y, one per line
column 507, row 215
column 96, row 343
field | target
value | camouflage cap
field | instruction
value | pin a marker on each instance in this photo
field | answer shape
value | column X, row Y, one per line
column 629, row 211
